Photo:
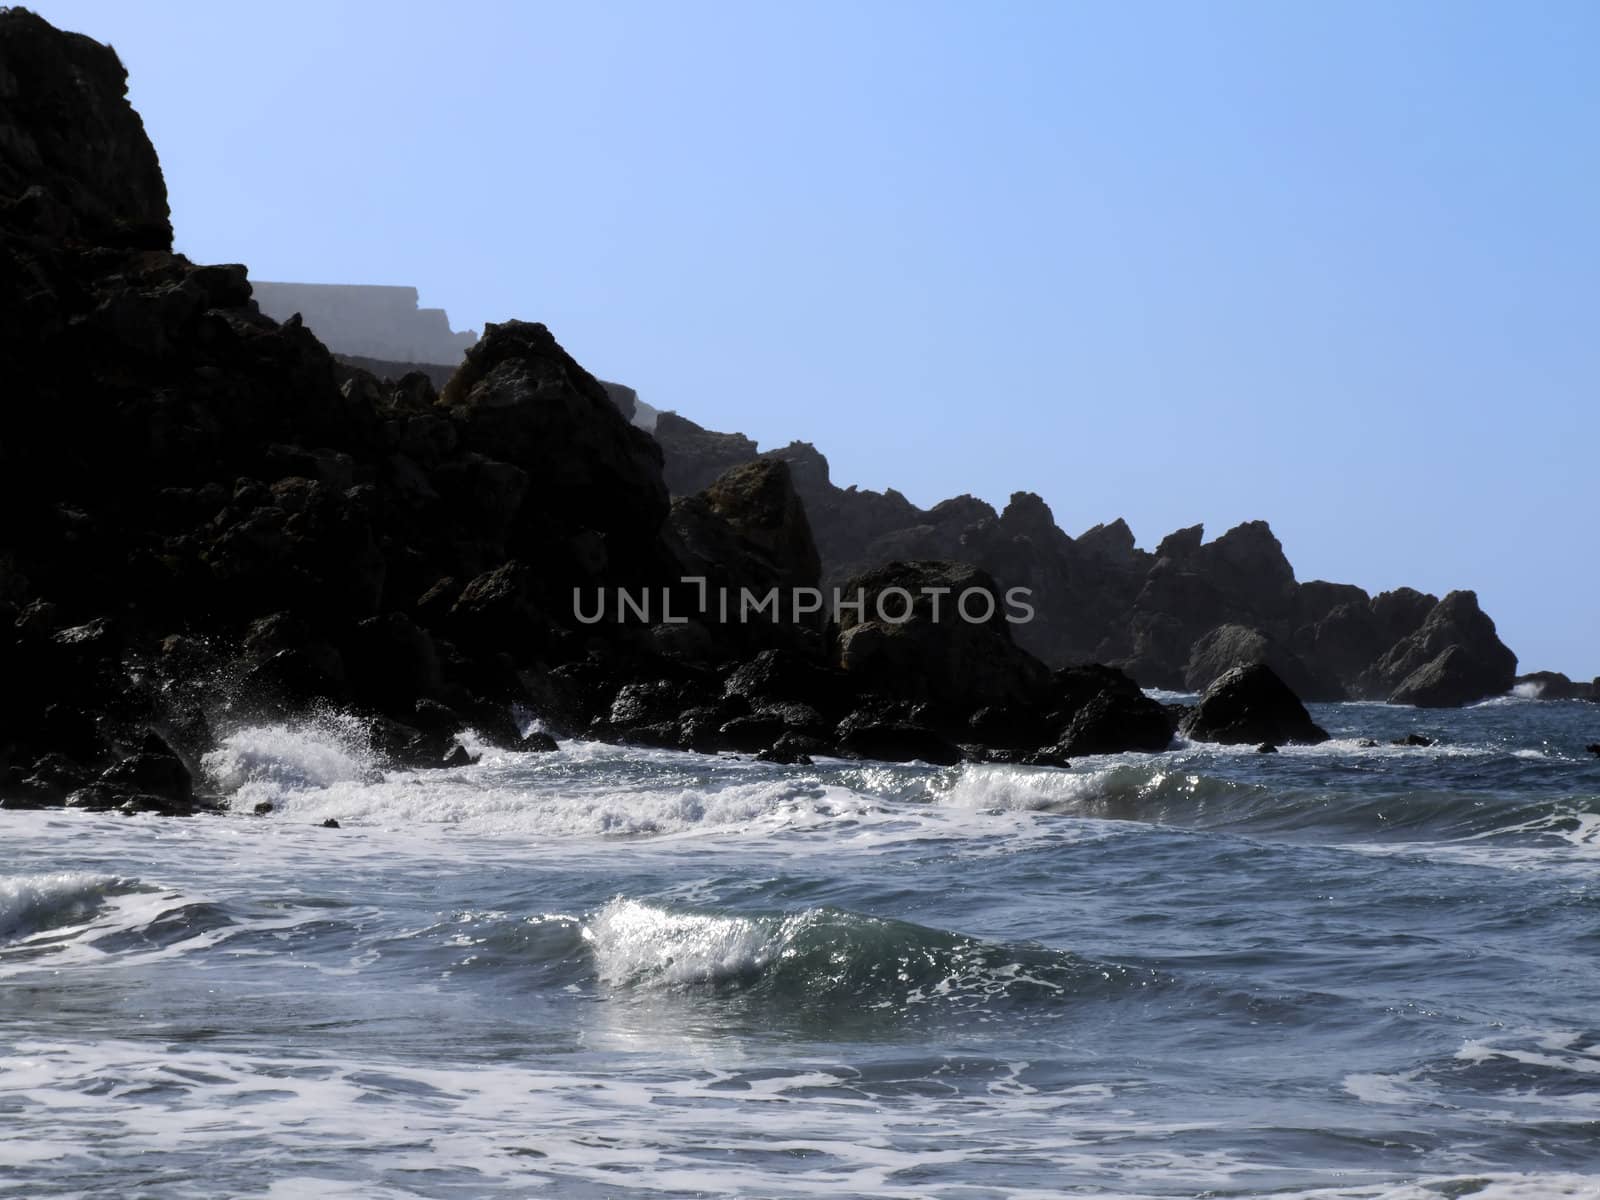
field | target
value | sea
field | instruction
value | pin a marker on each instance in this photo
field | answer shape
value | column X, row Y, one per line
column 1349, row 970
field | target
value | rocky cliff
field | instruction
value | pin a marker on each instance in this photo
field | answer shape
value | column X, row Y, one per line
column 1177, row 618
column 210, row 519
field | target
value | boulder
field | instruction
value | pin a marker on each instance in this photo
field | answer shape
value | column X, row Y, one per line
column 895, row 741
column 1099, row 710
column 910, row 639
column 788, row 677
column 746, row 536
column 760, row 504
column 1251, row 705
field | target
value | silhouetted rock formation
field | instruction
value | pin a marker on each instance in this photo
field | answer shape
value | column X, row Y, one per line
column 1174, row 619
column 74, row 159
column 1454, row 658
column 212, row 519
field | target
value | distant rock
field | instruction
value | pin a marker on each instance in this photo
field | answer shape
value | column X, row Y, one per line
column 1229, row 646
column 1455, row 658
column 696, row 457
column 1251, row 705
column 1552, row 685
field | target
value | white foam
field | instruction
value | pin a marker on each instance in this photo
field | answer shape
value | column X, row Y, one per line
column 266, row 762
column 27, row 900
column 638, row 943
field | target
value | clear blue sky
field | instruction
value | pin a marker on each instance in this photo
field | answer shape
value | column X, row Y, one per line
column 1334, row 265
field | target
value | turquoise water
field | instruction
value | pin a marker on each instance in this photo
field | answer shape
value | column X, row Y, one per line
column 1338, row 971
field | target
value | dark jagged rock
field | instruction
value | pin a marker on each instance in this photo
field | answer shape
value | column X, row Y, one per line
column 1455, row 658
column 786, row 755
column 1097, row 597
column 746, row 537
column 1251, row 704
column 1229, row 646
column 1106, row 713
column 207, row 513
column 936, row 631
column 520, row 398
column 696, row 458
column 74, row 158
column 895, row 741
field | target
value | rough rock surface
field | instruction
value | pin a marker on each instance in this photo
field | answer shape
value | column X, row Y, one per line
column 1251, row 705
column 74, row 158
column 1455, row 658
column 910, row 636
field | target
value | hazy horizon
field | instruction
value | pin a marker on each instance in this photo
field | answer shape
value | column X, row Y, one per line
column 1333, row 268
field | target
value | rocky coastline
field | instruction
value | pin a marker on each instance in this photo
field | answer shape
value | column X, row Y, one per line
column 213, row 520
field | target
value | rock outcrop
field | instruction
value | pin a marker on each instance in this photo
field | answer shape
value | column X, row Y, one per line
column 1174, row 619
column 1454, row 658
column 1251, row 705
column 212, row 519
column 74, row 158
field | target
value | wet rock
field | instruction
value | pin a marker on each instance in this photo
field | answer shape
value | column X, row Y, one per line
column 1099, row 710
column 1046, row 756
column 895, row 741
column 1266, row 748
column 777, row 676
column 1412, row 739
column 330, row 823
column 155, row 770
column 785, row 754
column 537, row 742
column 460, row 756
column 1251, row 704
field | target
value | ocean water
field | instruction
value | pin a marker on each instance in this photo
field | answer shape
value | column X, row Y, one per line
column 1333, row 972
